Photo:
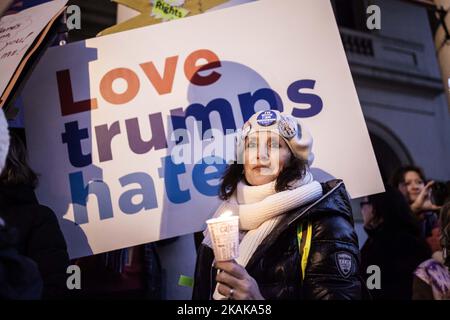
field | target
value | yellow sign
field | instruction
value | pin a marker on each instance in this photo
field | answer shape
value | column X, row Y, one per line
column 145, row 18
column 165, row 11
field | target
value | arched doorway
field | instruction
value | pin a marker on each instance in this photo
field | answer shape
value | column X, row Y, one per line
column 390, row 152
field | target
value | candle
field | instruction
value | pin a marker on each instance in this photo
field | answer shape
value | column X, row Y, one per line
column 224, row 233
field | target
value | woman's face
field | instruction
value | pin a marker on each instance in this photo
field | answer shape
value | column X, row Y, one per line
column 265, row 155
column 413, row 185
column 367, row 211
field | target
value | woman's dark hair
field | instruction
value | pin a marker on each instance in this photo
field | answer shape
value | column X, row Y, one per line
column 399, row 175
column 16, row 170
column 391, row 208
column 294, row 170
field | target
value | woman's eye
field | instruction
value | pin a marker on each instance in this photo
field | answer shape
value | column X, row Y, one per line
column 274, row 145
column 251, row 145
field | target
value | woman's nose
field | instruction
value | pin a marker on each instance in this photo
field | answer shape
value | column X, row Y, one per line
column 263, row 153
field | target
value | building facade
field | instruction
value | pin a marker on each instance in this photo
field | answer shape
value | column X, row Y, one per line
column 397, row 77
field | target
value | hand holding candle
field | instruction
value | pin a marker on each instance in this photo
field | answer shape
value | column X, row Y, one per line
column 224, row 233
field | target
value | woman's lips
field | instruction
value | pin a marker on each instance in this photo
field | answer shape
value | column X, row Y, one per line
column 260, row 167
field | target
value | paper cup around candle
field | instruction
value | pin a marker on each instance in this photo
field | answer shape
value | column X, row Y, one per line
column 224, row 233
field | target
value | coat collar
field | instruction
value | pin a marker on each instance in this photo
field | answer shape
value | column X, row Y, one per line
column 334, row 198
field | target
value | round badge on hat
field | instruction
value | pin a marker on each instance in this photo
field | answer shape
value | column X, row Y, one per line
column 287, row 127
column 266, row 118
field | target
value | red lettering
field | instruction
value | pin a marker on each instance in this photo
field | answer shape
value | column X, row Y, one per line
column 67, row 105
column 163, row 84
column 191, row 70
column 107, row 91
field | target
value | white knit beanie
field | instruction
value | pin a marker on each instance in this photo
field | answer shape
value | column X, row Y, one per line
column 296, row 135
column 4, row 140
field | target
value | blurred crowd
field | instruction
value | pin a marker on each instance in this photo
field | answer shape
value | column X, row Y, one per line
column 408, row 229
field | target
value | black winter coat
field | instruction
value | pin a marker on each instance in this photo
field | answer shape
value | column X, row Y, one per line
column 39, row 236
column 19, row 275
column 332, row 269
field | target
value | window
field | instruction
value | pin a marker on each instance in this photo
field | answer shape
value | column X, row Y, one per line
column 350, row 14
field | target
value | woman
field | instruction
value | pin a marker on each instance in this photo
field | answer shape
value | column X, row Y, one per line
column 39, row 235
column 394, row 243
column 19, row 276
column 432, row 277
column 410, row 180
column 296, row 235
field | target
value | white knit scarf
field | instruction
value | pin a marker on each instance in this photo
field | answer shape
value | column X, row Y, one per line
column 260, row 208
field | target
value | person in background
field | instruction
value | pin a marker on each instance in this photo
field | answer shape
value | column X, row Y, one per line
column 19, row 275
column 394, row 244
column 411, row 182
column 39, row 235
column 432, row 277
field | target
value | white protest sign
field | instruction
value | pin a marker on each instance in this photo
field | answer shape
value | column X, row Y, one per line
column 99, row 117
column 17, row 33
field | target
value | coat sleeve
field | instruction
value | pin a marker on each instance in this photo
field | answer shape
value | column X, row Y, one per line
column 203, row 279
column 333, row 268
column 19, row 275
column 47, row 247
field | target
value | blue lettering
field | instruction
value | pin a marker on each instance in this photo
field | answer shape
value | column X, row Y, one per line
column 247, row 101
column 313, row 100
column 200, row 178
column 73, row 137
column 170, row 172
column 80, row 193
column 147, row 190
